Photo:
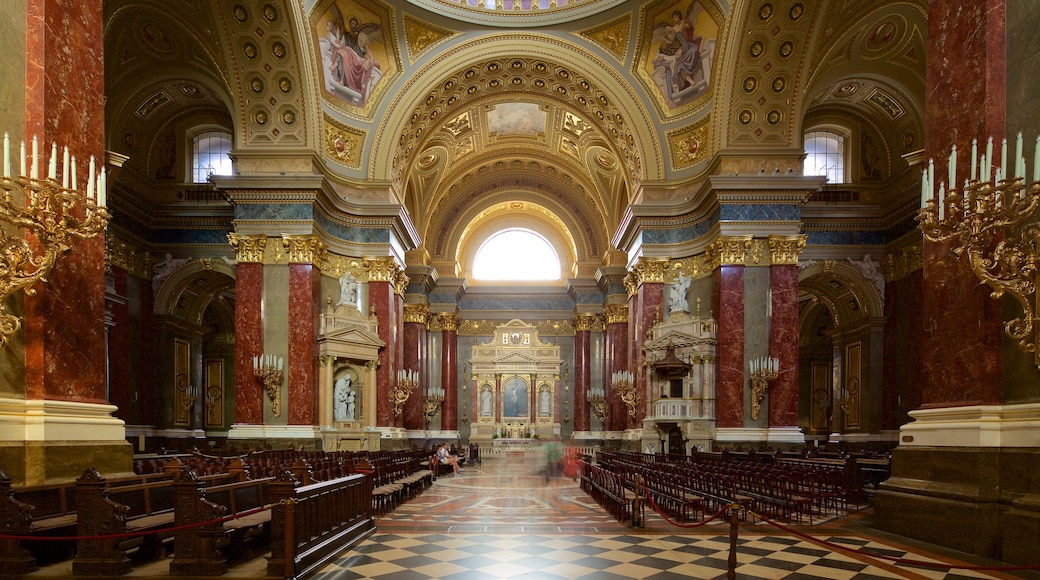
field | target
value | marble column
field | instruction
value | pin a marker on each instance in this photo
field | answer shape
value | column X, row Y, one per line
column 416, row 317
column 582, row 370
column 305, row 304
column 783, row 330
column 449, row 370
column 728, row 255
column 616, row 349
column 249, row 326
column 383, row 275
column 648, row 311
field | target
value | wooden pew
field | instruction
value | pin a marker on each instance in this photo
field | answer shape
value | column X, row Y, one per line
column 312, row 524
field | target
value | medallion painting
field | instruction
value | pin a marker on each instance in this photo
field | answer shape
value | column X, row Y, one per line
column 678, row 52
column 353, row 42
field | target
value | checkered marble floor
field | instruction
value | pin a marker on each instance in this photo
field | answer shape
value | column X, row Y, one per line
column 503, row 519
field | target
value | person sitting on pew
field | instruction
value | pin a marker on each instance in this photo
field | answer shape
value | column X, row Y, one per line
column 445, row 457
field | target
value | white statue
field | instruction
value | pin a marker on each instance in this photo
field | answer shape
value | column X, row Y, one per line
column 678, row 293
column 343, row 399
column 869, row 269
column 485, row 403
column 347, row 290
column 545, row 410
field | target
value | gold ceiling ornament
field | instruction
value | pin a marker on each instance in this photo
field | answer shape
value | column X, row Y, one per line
column 784, row 250
column 729, row 251
column 248, row 248
column 612, row 36
column 343, row 144
column 420, row 36
column 304, row 249
column 48, row 211
column 690, row 145
column 417, row 313
column 992, row 222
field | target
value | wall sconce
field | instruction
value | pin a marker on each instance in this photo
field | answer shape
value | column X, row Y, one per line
column 598, row 403
column 762, row 369
column 402, row 389
column 49, row 212
column 432, row 402
column 268, row 368
column 623, row 383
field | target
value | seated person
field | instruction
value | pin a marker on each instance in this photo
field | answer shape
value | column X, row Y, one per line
column 445, row 457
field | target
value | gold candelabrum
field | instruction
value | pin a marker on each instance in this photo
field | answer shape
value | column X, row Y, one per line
column 598, row 403
column 51, row 212
column 402, row 389
column 991, row 220
column 624, row 384
column 762, row 370
column 268, row 368
column 432, row 402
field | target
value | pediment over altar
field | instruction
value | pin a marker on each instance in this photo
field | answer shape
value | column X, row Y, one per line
column 515, row 344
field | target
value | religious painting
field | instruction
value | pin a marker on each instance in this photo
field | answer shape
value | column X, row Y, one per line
column 526, row 119
column 514, row 398
column 678, row 52
column 356, row 49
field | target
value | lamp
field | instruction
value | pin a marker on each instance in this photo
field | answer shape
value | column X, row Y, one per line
column 762, row 370
column 623, row 383
column 598, row 402
column 992, row 221
column 268, row 368
column 432, row 402
column 50, row 212
column 402, row 389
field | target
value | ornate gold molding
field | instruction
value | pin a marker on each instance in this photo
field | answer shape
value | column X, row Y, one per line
column 305, row 249
column 449, row 321
column 899, row 266
column 631, row 282
column 400, row 282
column 248, row 248
column 612, row 36
column 784, row 250
column 583, row 322
column 729, row 251
column 650, row 270
column 615, row 314
column 419, row 313
column 381, row 270
column 420, row 36
column 342, row 143
column 122, row 254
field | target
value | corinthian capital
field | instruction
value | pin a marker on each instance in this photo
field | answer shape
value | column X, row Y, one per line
column 306, row 249
column 729, row 251
column 785, row 249
column 248, row 248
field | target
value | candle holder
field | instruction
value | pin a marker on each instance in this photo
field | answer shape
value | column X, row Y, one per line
column 431, row 403
column 53, row 213
column 598, row 403
column 623, row 383
column 762, row 370
column 991, row 220
column 268, row 368
column 402, row 389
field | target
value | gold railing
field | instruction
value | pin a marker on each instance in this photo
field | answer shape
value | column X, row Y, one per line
column 51, row 214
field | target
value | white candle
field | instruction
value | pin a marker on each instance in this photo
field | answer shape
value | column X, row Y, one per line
column 942, row 201
column 931, row 179
column 73, row 172
column 91, row 179
column 64, row 164
column 1018, row 153
column 1003, row 156
column 989, row 159
column 7, row 156
column 1036, row 160
column 35, row 171
column 924, row 188
column 21, row 157
column 974, row 158
column 953, row 166
column 102, row 187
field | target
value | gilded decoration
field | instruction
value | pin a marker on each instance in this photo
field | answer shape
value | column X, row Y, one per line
column 126, row 256
column 449, row 321
column 555, row 327
column 785, row 249
column 897, row 266
column 631, row 282
column 248, row 248
column 615, row 313
column 612, row 36
column 382, row 270
column 729, row 251
column 583, row 322
column 306, row 249
column 690, row 146
column 650, row 271
column 417, row 313
column 400, row 283
column 677, row 52
column 343, row 144
column 693, row 267
column 420, row 36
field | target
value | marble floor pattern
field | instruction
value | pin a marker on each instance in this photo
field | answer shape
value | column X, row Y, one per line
column 503, row 519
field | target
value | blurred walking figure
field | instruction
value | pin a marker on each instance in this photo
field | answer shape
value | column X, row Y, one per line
column 553, row 458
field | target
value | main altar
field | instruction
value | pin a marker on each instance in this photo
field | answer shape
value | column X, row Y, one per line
column 515, row 385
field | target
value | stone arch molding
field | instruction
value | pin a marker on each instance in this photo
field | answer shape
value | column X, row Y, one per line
column 174, row 279
column 870, row 296
column 501, row 66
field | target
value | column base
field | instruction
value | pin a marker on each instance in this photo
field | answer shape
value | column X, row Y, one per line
column 44, row 441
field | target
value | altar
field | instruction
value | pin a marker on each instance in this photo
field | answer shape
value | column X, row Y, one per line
column 505, row 445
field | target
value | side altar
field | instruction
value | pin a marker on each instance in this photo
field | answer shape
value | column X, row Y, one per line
column 515, row 385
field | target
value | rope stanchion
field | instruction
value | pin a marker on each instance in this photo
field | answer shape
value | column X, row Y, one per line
column 145, row 532
column 653, row 504
column 734, row 530
column 894, row 559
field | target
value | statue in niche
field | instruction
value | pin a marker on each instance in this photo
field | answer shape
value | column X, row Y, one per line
column 545, row 409
column 485, row 403
column 677, row 295
column 347, row 290
column 343, row 399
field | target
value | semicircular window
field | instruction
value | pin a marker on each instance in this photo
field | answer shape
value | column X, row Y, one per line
column 516, row 254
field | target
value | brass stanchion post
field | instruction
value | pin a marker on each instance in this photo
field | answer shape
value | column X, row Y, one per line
column 734, row 527
column 637, row 522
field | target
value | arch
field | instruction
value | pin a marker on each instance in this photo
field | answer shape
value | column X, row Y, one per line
column 489, row 223
column 186, row 290
column 815, row 276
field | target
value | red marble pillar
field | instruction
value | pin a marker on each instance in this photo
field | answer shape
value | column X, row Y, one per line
column 616, row 347
column 728, row 299
column 304, row 308
column 64, row 321
column 962, row 361
column 249, row 327
column 414, row 357
column 381, row 301
column 582, row 370
column 449, row 370
column 646, row 310
column 783, row 344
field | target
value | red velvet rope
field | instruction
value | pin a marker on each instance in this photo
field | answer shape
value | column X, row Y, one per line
column 650, row 498
column 145, row 532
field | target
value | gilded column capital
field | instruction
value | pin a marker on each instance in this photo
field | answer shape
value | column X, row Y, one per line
column 449, row 321
column 419, row 313
column 381, row 270
column 631, row 284
column 729, row 251
column 400, row 282
column 650, row 270
column 248, row 248
column 784, row 250
column 583, row 322
column 304, row 249
column 615, row 314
